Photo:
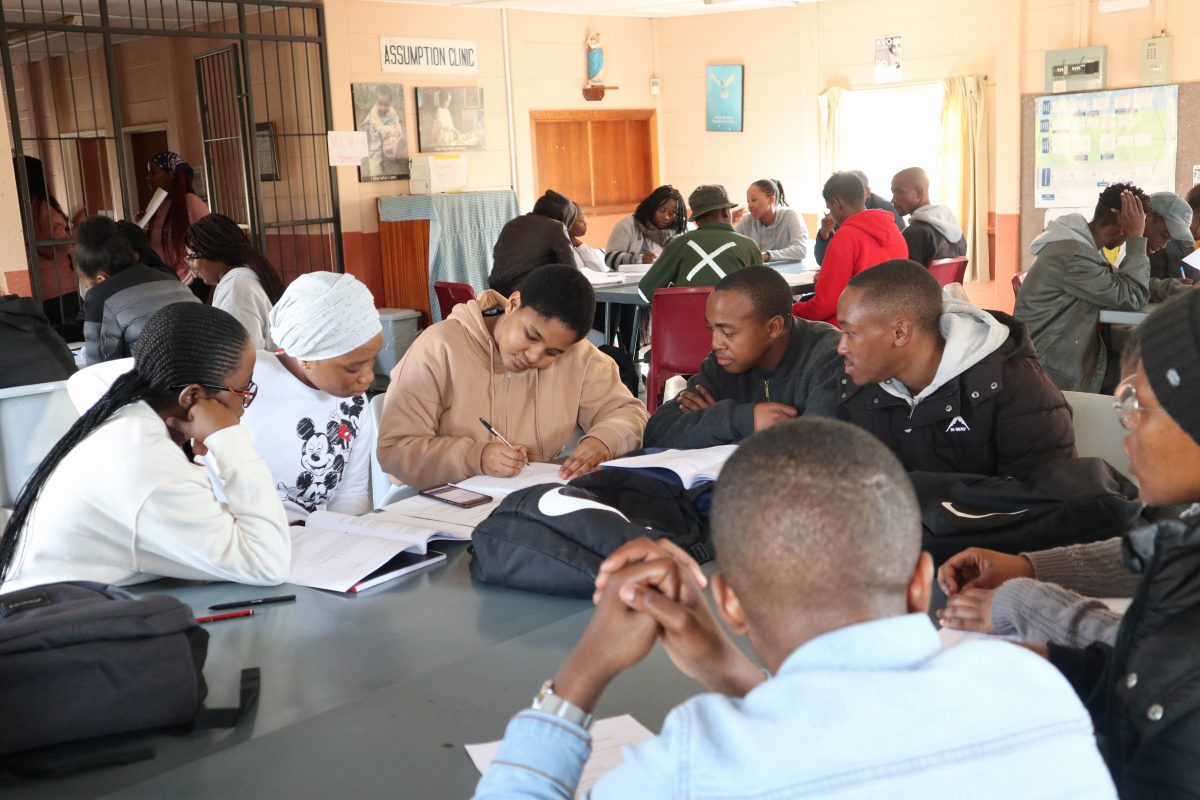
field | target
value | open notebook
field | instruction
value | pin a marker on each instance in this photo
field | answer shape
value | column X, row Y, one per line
column 346, row 553
column 685, row 467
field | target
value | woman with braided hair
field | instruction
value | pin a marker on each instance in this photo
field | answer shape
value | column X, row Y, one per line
column 119, row 501
column 178, row 212
column 221, row 255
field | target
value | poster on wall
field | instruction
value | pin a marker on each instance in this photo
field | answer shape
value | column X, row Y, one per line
column 724, row 107
column 889, row 59
column 450, row 118
column 1087, row 141
column 379, row 113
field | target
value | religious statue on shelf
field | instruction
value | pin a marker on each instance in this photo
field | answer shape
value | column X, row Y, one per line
column 595, row 60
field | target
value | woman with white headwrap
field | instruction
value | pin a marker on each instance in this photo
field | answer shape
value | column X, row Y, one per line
column 311, row 421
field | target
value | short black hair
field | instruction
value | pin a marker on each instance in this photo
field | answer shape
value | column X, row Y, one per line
column 644, row 213
column 1109, row 203
column 902, row 286
column 1193, row 198
column 101, row 249
column 769, row 293
column 815, row 513
column 845, row 186
column 560, row 292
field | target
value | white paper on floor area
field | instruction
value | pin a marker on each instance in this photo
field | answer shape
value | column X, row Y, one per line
column 608, row 737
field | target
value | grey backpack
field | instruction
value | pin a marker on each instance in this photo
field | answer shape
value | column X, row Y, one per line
column 83, row 660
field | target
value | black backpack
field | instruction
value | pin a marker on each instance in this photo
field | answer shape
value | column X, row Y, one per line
column 82, row 660
column 551, row 539
column 1064, row 501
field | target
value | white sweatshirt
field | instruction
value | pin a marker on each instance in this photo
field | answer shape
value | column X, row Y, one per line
column 317, row 446
column 125, row 506
column 241, row 294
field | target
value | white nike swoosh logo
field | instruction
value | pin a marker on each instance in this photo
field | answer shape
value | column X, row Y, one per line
column 946, row 504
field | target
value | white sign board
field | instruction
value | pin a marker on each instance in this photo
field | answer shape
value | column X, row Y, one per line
column 889, row 59
column 1085, row 142
column 347, row 148
column 444, row 56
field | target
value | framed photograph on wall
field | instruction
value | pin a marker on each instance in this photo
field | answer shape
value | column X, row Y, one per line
column 450, row 118
column 379, row 112
column 724, row 107
column 265, row 152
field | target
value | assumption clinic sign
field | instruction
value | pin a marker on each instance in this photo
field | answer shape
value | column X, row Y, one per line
column 445, row 56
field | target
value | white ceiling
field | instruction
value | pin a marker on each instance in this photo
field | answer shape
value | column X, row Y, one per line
column 618, row 8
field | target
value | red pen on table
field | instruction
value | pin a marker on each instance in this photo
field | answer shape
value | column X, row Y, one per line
column 231, row 615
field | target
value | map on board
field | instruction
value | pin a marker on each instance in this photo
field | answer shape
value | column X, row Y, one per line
column 1087, row 141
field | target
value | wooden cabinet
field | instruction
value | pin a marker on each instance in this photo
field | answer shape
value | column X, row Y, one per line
column 607, row 161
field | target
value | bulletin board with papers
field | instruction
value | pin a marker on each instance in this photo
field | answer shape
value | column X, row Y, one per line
column 1089, row 140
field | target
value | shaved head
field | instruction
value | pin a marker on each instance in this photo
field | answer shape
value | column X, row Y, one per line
column 816, row 517
column 910, row 190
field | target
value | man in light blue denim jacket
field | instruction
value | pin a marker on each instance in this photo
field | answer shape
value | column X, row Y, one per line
column 818, row 534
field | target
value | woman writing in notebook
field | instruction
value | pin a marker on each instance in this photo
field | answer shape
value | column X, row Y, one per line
column 521, row 363
column 638, row 239
column 780, row 231
column 118, row 500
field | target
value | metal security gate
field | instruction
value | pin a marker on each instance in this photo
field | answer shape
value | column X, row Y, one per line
column 239, row 89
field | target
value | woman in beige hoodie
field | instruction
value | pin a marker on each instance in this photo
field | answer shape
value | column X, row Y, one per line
column 522, row 364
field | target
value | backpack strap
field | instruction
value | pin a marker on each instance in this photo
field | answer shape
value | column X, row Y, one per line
column 251, row 684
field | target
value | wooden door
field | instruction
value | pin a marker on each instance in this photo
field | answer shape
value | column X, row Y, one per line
column 606, row 161
column 145, row 145
column 93, row 168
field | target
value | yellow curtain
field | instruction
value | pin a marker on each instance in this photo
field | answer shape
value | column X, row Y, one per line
column 829, row 131
column 965, row 167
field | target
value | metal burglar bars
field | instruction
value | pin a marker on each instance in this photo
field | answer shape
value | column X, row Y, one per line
column 93, row 87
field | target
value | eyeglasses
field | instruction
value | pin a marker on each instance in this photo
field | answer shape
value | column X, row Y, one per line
column 189, row 256
column 1126, row 404
column 248, row 394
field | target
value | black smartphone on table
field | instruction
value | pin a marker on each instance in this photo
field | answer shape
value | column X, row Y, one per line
column 456, row 496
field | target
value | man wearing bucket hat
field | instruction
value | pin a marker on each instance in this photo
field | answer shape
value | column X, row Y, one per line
column 706, row 255
column 1166, row 263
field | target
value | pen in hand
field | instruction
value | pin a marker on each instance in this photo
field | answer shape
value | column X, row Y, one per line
column 496, row 433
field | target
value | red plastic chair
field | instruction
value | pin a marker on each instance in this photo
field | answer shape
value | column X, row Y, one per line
column 681, row 337
column 451, row 294
column 948, row 270
column 1018, row 279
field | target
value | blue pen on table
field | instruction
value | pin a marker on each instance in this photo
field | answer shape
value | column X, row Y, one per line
column 258, row 601
column 496, row 433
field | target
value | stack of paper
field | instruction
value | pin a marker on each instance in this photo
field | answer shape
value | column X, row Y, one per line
column 603, row 278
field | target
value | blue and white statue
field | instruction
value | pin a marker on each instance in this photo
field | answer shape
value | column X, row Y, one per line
column 595, row 60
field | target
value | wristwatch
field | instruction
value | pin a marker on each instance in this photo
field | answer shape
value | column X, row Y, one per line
column 549, row 703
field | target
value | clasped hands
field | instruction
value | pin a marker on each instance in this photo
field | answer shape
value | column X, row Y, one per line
column 650, row 591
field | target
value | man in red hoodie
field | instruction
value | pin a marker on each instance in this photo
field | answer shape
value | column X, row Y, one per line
column 871, row 238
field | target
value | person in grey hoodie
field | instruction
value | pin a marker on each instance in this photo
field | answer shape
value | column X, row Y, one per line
column 766, row 366
column 947, row 386
column 933, row 231
column 1071, row 281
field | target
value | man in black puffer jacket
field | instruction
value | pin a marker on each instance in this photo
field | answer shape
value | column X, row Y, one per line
column 947, row 386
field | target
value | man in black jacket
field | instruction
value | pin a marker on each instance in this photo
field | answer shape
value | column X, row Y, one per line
column 766, row 366
column 947, row 386
column 30, row 350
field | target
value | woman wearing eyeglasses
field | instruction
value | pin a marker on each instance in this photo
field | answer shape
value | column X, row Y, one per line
column 118, row 500
column 1138, row 674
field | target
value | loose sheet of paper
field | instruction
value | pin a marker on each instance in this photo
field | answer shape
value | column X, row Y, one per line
column 531, row 475
column 608, row 737
column 1192, row 259
column 347, row 148
column 452, row 519
column 692, row 466
column 335, row 561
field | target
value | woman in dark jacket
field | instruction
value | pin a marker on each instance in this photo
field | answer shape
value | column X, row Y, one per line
column 119, row 292
column 533, row 240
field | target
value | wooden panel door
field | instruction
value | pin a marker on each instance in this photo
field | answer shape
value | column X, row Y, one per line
column 620, row 163
column 563, row 156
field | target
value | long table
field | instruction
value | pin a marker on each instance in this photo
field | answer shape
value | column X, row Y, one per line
column 626, row 293
column 367, row 695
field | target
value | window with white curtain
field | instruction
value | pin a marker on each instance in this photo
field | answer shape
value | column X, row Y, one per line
column 882, row 131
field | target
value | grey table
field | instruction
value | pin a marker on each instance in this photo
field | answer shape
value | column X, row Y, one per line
column 1134, row 318
column 799, row 280
column 370, row 695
